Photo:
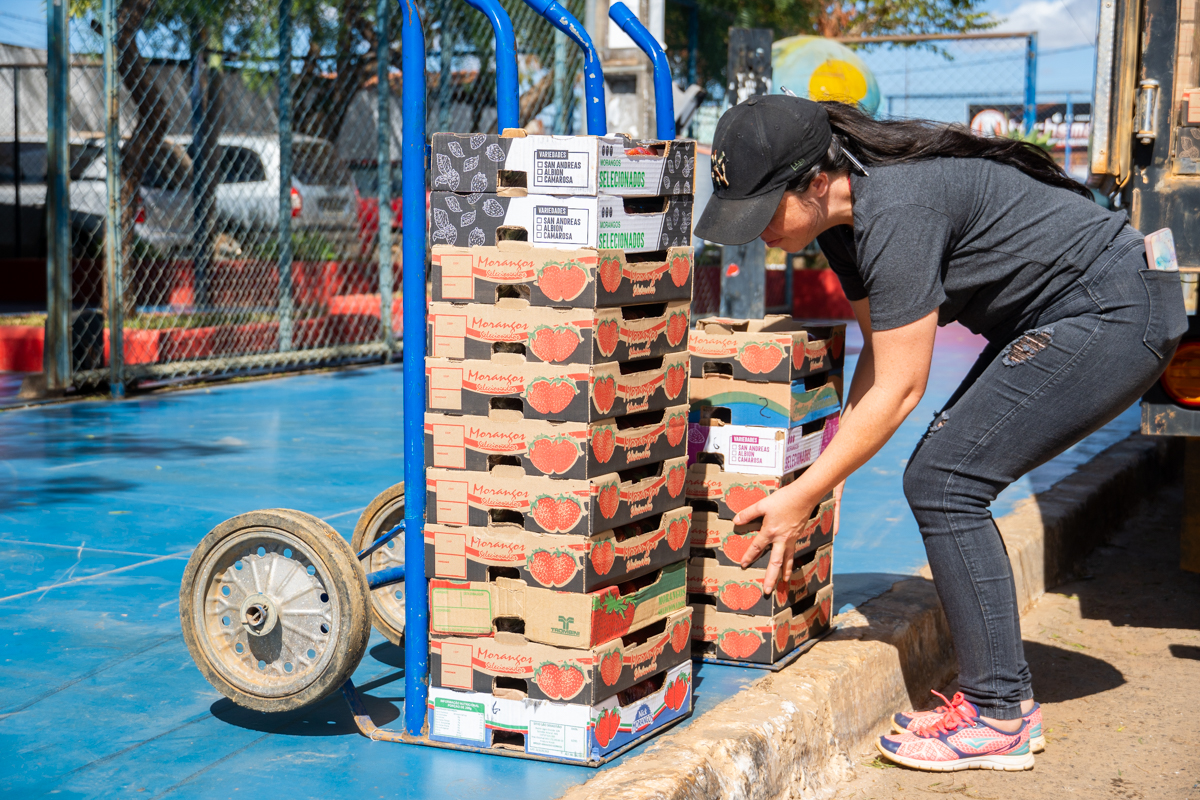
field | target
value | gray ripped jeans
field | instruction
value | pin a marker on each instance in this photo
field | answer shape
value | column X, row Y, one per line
column 1086, row 357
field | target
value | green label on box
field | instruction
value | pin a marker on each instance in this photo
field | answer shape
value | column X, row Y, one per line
column 458, row 719
column 461, row 610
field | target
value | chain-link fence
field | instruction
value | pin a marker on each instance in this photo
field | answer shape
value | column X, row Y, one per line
column 249, row 187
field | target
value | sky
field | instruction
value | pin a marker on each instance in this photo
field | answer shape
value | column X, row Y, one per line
column 1065, row 28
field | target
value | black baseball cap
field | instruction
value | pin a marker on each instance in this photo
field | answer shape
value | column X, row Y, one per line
column 758, row 148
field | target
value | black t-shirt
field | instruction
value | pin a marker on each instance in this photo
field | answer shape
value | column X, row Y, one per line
column 981, row 242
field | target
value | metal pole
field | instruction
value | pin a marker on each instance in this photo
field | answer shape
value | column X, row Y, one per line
column 416, row 590
column 561, row 96
column 285, row 176
column 445, row 58
column 112, row 222
column 508, row 114
column 593, row 73
column 1030, row 82
column 383, row 139
column 664, row 95
column 56, row 354
column 17, row 161
column 1070, row 120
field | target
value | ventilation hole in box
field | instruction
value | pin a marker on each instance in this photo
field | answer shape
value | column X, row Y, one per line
column 640, row 420
column 643, row 635
column 512, row 684
column 718, row 368
column 508, row 740
column 710, row 458
column 512, row 178
column 628, row 587
column 709, row 414
column 509, row 625
column 640, row 472
column 702, row 599
column 703, row 552
column 508, row 347
column 511, row 233
column 642, row 689
column 643, row 311
column 502, row 515
column 647, row 257
column 703, row 505
column 507, row 404
column 641, row 365
column 507, row 461
column 816, row 381
column 812, row 427
column 508, row 290
column 645, row 205
column 503, row 572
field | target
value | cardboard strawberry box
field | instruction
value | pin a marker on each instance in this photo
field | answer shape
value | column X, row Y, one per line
column 581, row 507
column 563, row 619
column 776, row 349
column 563, row 392
column 557, row 335
column 739, row 591
column 558, row 449
column 759, row 640
column 772, row 405
column 565, row 562
column 561, row 731
column 635, row 225
column 515, row 162
column 757, row 450
column 560, row 276
column 719, row 539
column 510, row 662
column 709, row 488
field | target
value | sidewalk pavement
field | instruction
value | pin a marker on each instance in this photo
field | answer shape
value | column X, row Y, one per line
column 1115, row 657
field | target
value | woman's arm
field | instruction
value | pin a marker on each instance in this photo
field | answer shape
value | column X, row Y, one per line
column 888, row 383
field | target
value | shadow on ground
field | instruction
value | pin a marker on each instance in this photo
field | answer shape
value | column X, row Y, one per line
column 331, row 717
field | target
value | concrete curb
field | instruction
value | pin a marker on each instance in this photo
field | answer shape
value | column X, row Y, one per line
column 790, row 734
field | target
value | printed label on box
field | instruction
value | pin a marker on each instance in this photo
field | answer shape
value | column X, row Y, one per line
column 462, row 611
column 561, row 169
column 556, row 739
column 560, row 225
column 458, row 719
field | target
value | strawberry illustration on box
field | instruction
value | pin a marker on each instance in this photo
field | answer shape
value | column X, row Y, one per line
column 715, row 538
column 557, row 335
column 775, row 349
column 561, row 674
column 560, row 276
column 709, row 488
column 739, row 591
column 549, row 505
column 564, row 619
column 567, row 393
column 566, row 562
column 563, row 731
column 571, row 450
column 721, row 636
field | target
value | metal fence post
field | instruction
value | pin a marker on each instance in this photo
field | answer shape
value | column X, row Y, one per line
column 56, row 353
column 1030, row 82
column 112, row 222
column 416, row 589
column 285, row 176
column 383, row 132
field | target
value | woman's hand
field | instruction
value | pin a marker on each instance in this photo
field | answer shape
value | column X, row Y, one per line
column 784, row 517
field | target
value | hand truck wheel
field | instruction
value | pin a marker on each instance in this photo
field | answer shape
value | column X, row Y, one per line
column 274, row 609
column 387, row 602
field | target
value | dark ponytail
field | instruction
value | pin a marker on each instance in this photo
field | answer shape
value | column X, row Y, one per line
column 903, row 141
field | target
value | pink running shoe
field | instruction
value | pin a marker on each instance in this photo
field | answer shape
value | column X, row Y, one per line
column 959, row 740
column 917, row 721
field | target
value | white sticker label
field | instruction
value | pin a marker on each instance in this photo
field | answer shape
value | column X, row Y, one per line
column 560, row 225
column 560, row 169
column 556, row 739
column 458, row 719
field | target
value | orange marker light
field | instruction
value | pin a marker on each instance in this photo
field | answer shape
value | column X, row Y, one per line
column 1181, row 381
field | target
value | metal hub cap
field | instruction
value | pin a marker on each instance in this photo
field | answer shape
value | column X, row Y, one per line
column 258, row 615
column 267, row 618
column 388, row 600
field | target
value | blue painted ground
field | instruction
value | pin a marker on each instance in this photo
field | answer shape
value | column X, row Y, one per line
column 100, row 504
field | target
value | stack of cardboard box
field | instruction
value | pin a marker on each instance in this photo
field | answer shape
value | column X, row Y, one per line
column 556, row 530
column 765, row 396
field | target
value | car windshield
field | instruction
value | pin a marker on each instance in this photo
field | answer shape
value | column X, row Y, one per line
column 318, row 164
